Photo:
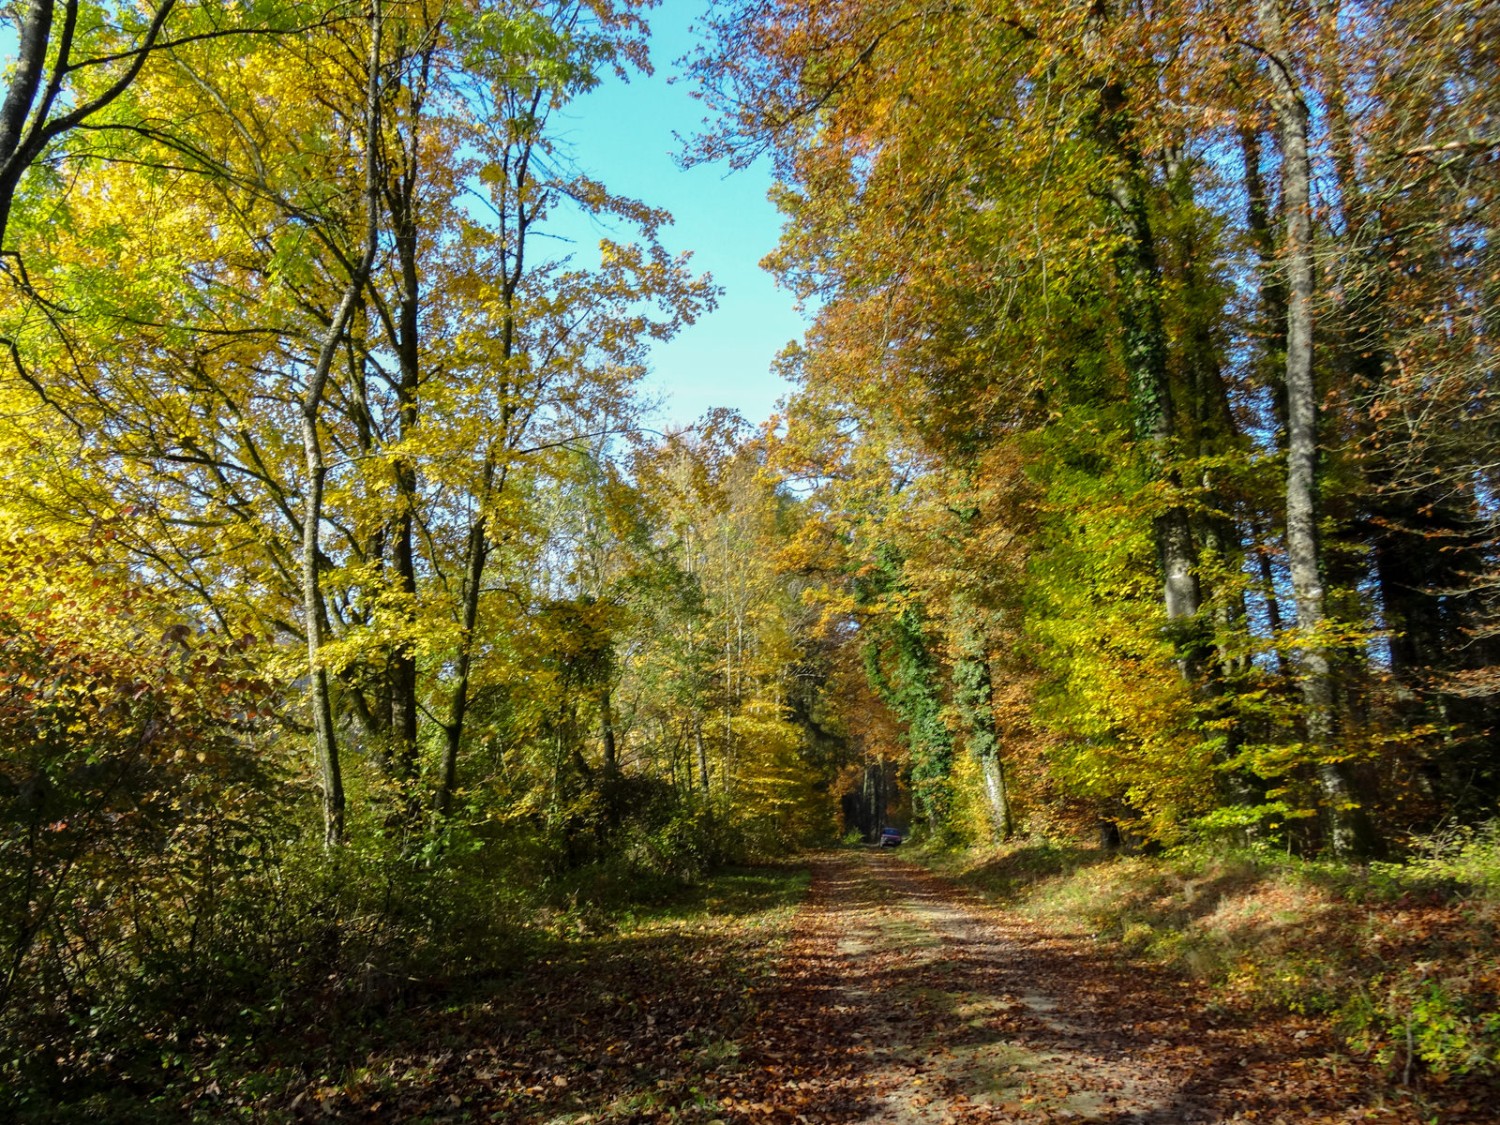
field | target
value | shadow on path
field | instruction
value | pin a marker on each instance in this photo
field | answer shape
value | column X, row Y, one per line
column 889, row 996
column 902, row 999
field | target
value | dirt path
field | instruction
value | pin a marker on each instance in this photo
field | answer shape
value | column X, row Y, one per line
column 888, row 996
column 899, row 1000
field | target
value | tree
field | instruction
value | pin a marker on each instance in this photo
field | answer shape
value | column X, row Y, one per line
column 58, row 86
column 335, row 277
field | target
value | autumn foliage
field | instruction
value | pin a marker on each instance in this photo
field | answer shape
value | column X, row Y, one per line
column 1137, row 479
column 1116, row 391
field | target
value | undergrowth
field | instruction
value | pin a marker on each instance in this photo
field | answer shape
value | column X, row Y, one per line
column 1399, row 957
column 218, row 977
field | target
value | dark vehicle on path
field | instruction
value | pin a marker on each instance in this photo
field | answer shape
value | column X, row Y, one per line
column 890, row 837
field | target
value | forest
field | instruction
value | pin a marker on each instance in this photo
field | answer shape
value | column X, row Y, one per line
column 1136, row 486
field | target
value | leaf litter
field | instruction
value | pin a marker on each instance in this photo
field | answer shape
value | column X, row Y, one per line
column 889, row 996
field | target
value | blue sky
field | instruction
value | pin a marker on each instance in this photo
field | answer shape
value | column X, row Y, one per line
column 622, row 135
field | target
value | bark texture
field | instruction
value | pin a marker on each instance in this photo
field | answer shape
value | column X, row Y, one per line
column 1348, row 829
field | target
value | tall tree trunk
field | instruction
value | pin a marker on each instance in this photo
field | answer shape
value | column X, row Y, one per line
column 1348, row 828
column 1272, row 315
column 702, row 756
column 373, row 714
column 402, row 199
column 324, row 735
column 476, row 555
column 1214, row 435
column 1272, row 310
column 402, row 664
column 1138, row 271
column 492, row 483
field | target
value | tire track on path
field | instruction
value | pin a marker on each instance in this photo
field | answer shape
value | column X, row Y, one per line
column 901, row 999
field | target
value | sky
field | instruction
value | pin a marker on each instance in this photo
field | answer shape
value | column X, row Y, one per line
column 623, row 135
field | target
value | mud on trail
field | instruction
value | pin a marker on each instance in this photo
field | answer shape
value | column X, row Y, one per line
column 888, row 995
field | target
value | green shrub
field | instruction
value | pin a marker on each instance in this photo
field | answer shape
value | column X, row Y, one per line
column 1407, row 1021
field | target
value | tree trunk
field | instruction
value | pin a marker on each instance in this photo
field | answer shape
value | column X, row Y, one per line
column 1145, row 345
column 992, row 770
column 325, row 738
column 476, row 555
column 477, row 547
column 1272, row 310
column 972, row 695
column 607, row 732
column 402, row 664
column 26, row 82
column 324, row 734
column 27, row 126
column 401, row 198
column 702, row 756
column 1348, row 829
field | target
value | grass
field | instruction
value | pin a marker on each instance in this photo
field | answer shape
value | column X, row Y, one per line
column 602, row 900
column 1400, row 957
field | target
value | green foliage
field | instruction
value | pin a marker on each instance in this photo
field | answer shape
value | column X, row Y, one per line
column 1111, row 687
column 1465, row 857
column 652, row 832
column 903, row 670
column 1408, row 1022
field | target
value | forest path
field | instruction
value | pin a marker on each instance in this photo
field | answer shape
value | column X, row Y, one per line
column 901, row 999
column 886, row 995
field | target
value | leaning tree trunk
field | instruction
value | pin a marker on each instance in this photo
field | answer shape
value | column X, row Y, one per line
column 324, row 735
column 1348, row 829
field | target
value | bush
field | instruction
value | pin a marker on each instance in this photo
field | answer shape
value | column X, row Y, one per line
column 133, row 813
column 1408, row 1020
